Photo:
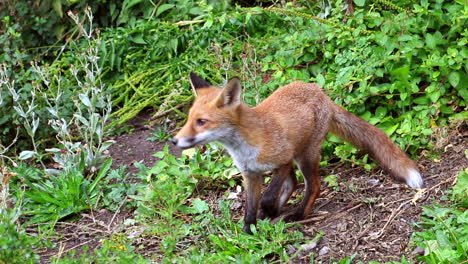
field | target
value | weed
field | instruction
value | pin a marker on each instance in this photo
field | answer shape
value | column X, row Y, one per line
column 161, row 134
column 445, row 237
column 111, row 251
column 49, row 199
column 16, row 246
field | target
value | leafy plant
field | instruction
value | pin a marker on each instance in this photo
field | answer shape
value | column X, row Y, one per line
column 221, row 240
column 160, row 134
column 445, row 237
column 111, row 251
column 16, row 246
column 460, row 190
column 55, row 197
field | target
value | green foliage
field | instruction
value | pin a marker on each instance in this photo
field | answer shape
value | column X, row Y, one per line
column 460, row 190
column 222, row 241
column 16, row 246
column 49, row 198
column 381, row 65
column 162, row 207
column 212, row 167
column 160, row 134
column 111, row 251
column 382, row 74
column 445, row 234
column 400, row 66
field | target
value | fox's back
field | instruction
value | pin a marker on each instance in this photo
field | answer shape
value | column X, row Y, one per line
column 292, row 113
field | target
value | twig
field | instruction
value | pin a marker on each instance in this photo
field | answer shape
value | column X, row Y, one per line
column 163, row 113
column 84, row 227
column 390, row 219
column 413, row 200
column 115, row 214
column 79, row 245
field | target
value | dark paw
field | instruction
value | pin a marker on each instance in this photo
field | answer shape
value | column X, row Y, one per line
column 264, row 213
column 293, row 215
column 246, row 229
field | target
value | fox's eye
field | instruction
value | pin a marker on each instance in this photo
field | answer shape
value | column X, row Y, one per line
column 201, row 122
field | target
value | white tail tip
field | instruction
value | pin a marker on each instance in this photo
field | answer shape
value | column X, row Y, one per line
column 414, row 179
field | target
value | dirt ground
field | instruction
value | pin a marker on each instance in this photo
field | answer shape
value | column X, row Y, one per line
column 368, row 212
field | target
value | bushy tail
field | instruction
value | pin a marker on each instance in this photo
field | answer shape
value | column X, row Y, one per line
column 373, row 140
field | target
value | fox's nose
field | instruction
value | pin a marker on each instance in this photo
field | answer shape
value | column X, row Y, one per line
column 174, row 141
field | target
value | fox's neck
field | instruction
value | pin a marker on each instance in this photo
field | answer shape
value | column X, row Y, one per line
column 241, row 143
column 246, row 125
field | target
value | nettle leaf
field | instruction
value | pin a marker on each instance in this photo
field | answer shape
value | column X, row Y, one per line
column 359, row 2
column 432, row 40
column 381, row 111
column 390, row 130
column 434, row 96
column 401, row 73
column 320, row 80
column 199, row 206
column 163, row 7
column 454, row 78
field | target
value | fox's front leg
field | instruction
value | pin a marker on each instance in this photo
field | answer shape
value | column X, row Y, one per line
column 253, row 189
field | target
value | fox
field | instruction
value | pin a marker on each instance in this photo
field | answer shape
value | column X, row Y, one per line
column 287, row 128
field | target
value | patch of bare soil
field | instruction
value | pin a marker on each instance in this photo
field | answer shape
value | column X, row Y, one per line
column 372, row 215
column 136, row 146
column 85, row 234
column 368, row 213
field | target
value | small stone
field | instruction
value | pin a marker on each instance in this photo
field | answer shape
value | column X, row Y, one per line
column 291, row 249
column 418, row 251
column 309, row 246
column 342, row 227
column 324, row 251
column 237, row 204
column 373, row 181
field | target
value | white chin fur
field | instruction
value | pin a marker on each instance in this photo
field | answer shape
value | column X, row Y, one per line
column 414, row 179
column 184, row 143
column 202, row 138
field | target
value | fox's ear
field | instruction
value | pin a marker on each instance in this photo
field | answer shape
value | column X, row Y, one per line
column 198, row 83
column 231, row 94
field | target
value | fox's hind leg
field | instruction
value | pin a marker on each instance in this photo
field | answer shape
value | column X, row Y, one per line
column 282, row 185
column 310, row 169
column 308, row 162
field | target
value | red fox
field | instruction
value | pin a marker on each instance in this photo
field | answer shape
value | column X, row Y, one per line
column 288, row 126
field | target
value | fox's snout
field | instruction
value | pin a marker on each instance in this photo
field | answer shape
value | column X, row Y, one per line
column 174, row 141
column 184, row 142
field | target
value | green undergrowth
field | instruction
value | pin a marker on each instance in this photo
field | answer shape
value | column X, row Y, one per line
column 400, row 66
column 444, row 234
column 403, row 70
column 191, row 231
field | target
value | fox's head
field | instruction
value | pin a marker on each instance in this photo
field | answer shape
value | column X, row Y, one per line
column 212, row 115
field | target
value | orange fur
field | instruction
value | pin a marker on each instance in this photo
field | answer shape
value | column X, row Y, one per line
column 288, row 126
